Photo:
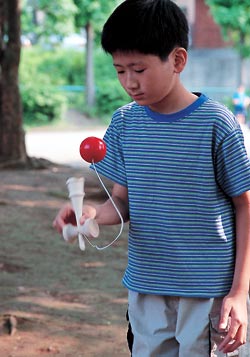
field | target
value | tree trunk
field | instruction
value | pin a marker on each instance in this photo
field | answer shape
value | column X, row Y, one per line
column 242, row 44
column 90, row 86
column 12, row 143
column 241, row 71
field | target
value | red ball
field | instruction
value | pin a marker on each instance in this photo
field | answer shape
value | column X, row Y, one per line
column 93, row 149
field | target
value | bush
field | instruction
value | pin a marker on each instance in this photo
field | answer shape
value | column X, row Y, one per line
column 110, row 96
column 41, row 104
column 59, row 67
column 43, row 73
column 109, row 93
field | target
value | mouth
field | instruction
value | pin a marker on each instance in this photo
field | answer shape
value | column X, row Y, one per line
column 138, row 96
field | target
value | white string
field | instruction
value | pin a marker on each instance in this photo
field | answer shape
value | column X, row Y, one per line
column 117, row 210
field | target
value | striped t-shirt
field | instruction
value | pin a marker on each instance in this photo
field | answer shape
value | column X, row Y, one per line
column 181, row 171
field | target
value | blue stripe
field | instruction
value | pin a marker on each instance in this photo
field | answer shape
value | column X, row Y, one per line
column 180, row 170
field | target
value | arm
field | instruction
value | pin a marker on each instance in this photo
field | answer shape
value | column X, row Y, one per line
column 247, row 101
column 105, row 214
column 235, row 303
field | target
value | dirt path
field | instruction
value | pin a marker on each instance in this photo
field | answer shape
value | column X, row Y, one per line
column 64, row 302
column 60, row 143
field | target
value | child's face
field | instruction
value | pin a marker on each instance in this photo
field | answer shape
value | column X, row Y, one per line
column 146, row 78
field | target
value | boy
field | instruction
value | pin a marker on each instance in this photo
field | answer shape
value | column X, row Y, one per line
column 240, row 102
column 182, row 179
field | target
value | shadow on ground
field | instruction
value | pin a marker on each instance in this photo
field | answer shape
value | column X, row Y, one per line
column 56, row 300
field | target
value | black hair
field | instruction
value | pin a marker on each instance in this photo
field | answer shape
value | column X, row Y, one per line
column 147, row 26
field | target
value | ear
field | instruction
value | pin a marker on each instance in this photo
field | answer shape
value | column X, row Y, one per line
column 180, row 59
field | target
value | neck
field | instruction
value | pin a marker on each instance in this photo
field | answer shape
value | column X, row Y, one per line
column 176, row 100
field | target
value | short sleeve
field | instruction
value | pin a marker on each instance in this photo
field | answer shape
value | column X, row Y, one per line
column 233, row 165
column 112, row 166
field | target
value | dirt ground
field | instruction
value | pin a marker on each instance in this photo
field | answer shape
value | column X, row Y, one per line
column 56, row 300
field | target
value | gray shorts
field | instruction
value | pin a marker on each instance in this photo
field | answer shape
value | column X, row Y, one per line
column 177, row 327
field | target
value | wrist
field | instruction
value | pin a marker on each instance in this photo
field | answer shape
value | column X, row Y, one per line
column 239, row 291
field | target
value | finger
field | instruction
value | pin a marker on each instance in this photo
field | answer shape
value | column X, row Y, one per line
column 233, row 339
column 224, row 319
column 230, row 336
column 89, row 211
column 231, row 347
column 58, row 224
column 83, row 219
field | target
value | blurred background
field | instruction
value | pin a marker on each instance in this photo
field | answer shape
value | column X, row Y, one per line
column 52, row 62
column 57, row 87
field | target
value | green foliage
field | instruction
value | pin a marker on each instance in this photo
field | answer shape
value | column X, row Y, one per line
column 41, row 75
column 234, row 18
column 59, row 67
column 103, row 64
column 93, row 12
column 54, row 19
column 110, row 96
column 45, row 17
column 41, row 104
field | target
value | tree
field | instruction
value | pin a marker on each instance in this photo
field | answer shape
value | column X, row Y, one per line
column 46, row 17
column 233, row 16
column 90, row 17
column 43, row 18
column 12, row 143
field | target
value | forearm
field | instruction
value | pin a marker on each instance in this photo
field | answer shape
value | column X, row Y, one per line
column 235, row 303
column 242, row 263
column 106, row 214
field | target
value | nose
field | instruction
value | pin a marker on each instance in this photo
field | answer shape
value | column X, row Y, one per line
column 131, row 82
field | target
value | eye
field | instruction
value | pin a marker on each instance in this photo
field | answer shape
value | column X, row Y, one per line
column 120, row 71
column 139, row 70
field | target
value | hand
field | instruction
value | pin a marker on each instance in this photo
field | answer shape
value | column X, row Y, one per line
column 88, row 211
column 65, row 215
column 234, row 309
